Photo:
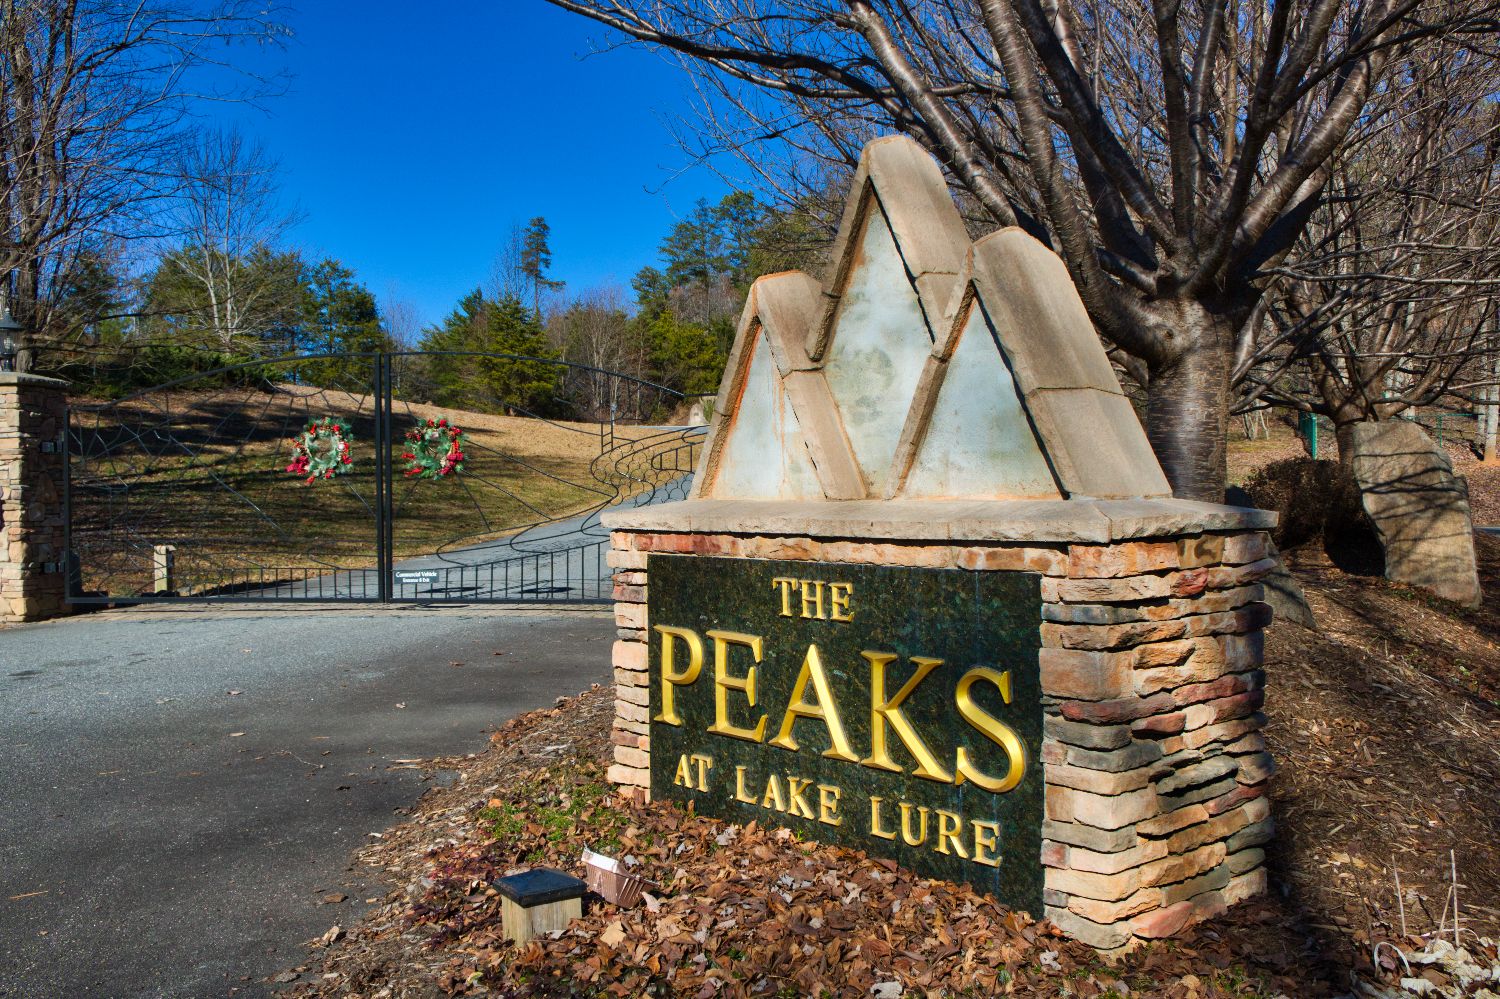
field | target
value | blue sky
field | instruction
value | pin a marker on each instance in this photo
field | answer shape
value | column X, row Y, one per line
column 414, row 135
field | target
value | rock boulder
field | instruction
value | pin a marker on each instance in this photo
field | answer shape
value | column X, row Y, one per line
column 1419, row 507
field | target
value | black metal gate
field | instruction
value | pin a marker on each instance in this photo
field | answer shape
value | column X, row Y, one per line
column 187, row 491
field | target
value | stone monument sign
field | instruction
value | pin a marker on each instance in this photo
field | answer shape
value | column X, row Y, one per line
column 931, row 597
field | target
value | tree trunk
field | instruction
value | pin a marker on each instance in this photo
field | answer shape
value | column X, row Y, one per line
column 1187, row 415
column 1344, row 434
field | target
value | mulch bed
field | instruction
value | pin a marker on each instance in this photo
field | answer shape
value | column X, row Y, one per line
column 743, row 910
column 1385, row 722
column 1385, row 725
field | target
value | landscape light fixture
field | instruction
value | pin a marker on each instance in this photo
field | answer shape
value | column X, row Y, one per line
column 8, row 330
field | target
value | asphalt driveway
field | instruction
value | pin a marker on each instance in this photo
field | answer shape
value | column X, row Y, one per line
column 180, row 789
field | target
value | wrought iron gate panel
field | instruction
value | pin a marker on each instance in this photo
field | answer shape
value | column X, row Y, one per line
column 181, row 492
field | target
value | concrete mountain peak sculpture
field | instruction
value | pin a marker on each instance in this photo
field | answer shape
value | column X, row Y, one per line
column 924, row 368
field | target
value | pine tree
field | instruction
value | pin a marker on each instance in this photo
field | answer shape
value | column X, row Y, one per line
column 536, row 259
column 339, row 317
column 714, row 242
column 471, row 376
column 688, row 357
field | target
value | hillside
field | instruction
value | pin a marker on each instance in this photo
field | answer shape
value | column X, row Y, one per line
column 205, row 472
column 1385, row 722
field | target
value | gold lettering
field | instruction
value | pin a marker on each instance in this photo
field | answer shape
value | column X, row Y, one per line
column 723, row 683
column 828, row 805
column 705, row 764
column 906, row 836
column 948, row 828
column 796, row 787
column 772, row 798
column 997, row 731
column 786, row 584
column 883, row 712
column 812, row 596
column 986, row 842
column 671, row 679
column 825, row 710
column 839, row 595
column 740, row 794
column 684, row 776
column 875, row 829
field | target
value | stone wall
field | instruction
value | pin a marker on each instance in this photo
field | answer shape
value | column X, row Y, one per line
column 33, row 526
column 1154, row 764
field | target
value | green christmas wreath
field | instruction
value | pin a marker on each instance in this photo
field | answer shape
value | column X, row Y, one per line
column 321, row 451
column 434, row 450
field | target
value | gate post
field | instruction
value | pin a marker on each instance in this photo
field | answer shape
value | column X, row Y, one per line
column 33, row 518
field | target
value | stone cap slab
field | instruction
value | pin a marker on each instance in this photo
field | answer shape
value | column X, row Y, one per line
column 898, row 179
column 1100, row 521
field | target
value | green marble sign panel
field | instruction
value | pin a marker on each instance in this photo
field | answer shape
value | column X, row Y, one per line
column 890, row 709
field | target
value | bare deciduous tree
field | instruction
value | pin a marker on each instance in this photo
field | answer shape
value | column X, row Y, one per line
column 1388, row 301
column 594, row 331
column 1170, row 150
column 401, row 319
column 231, row 286
column 93, row 94
column 508, row 269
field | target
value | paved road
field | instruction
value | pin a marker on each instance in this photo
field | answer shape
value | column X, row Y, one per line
column 159, row 853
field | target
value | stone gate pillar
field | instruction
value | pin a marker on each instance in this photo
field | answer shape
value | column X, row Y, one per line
column 931, row 596
column 33, row 524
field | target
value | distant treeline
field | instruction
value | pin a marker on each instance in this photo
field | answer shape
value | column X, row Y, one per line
column 673, row 330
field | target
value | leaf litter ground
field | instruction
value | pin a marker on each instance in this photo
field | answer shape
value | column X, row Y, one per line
column 1385, row 722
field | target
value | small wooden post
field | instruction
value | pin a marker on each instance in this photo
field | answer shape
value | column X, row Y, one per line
column 163, row 565
column 539, row 901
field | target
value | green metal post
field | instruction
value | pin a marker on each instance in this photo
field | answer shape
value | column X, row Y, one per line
column 1307, row 426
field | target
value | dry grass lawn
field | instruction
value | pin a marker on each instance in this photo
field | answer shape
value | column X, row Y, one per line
column 206, row 473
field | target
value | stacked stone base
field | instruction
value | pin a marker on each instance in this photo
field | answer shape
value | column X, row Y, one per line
column 33, row 526
column 1154, row 763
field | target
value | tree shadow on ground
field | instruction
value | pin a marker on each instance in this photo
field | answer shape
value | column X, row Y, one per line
column 1383, row 721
